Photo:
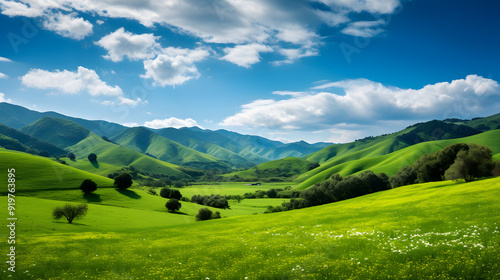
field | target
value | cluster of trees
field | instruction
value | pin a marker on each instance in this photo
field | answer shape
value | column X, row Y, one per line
column 336, row 189
column 214, row 200
column 466, row 161
column 170, row 193
column 206, row 214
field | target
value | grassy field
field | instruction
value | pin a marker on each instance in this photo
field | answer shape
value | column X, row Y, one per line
column 444, row 230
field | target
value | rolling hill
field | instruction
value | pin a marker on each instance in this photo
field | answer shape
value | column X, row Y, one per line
column 285, row 169
column 390, row 163
column 60, row 132
column 30, row 142
column 147, row 142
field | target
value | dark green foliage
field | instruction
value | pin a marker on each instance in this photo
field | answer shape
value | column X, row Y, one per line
column 170, row 193
column 71, row 156
column 216, row 201
column 204, row 214
column 173, row 205
column 92, row 157
column 473, row 163
column 436, row 130
column 123, row 181
column 432, row 167
column 272, row 193
column 88, row 186
column 312, row 165
column 70, row 212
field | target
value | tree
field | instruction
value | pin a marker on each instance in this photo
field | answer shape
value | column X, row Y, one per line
column 92, row 157
column 173, row 205
column 123, row 181
column 473, row 163
column 204, row 214
column 272, row 193
column 88, row 186
column 170, row 193
column 70, row 212
column 71, row 156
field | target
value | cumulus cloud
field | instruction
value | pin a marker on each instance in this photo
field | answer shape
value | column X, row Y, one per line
column 3, row 99
column 4, row 59
column 129, row 101
column 365, row 102
column 12, row 8
column 121, row 43
column 69, row 82
column 3, row 76
column 245, row 55
column 174, row 66
column 171, row 122
column 68, row 25
column 365, row 29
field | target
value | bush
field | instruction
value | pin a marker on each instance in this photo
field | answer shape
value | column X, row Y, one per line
column 173, row 205
column 123, row 181
column 170, row 193
column 204, row 214
column 88, row 186
column 71, row 156
column 92, row 157
column 70, row 212
column 216, row 201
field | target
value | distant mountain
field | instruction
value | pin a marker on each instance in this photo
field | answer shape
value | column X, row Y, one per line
column 26, row 143
column 147, row 142
column 17, row 116
column 60, row 132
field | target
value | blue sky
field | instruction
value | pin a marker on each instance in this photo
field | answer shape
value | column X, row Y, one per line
column 325, row 70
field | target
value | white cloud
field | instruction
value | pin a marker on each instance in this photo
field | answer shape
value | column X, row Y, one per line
column 99, row 22
column 245, row 55
column 130, row 102
column 3, row 76
column 292, row 55
column 4, row 59
column 365, row 101
column 70, row 82
column 174, row 66
column 171, row 122
column 121, row 43
column 291, row 93
column 365, row 29
column 68, row 25
column 371, row 6
column 12, row 8
column 131, row 124
column 3, row 99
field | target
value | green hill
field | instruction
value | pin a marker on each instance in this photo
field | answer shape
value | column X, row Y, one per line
column 281, row 169
column 59, row 132
column 35, row 173
column 145, row 141
column 26, row 143
column 112, row 157
column 392, row 162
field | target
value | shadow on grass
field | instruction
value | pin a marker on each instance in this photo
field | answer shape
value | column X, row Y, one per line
column 129, row 193
column 92, row 197
column 178, row 213
column 73, row 223
column 95, row 164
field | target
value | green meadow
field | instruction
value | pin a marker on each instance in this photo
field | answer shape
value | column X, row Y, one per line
column 444, row 230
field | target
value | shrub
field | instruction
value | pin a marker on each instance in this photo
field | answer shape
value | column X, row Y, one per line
column 71, row 156
column 173, row 205
column 123, row 181
column 170, row 193
column 92, row 157
column 70, row 212
column 88, row 186
column 204, row 214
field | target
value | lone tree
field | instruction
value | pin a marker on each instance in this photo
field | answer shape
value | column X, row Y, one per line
column 123, row 181
column 173, row 205
column 473, row 163
column 72, row 156
column 92, row 157
column 70, row 212
column 204, row 214
column 88, row 186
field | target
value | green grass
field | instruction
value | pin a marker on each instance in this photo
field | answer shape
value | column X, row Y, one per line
column 286, row 168
column 355, row 162
column 112, row 157
column 443, row 230
column 229, row 188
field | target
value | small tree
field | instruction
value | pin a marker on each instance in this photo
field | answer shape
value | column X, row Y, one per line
column 123, row 181
column 470, row 164
column 71, row 156
column 88, row 186
column 92, row 157
column 173, row 205
column 204, row 214
column 70, row 212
